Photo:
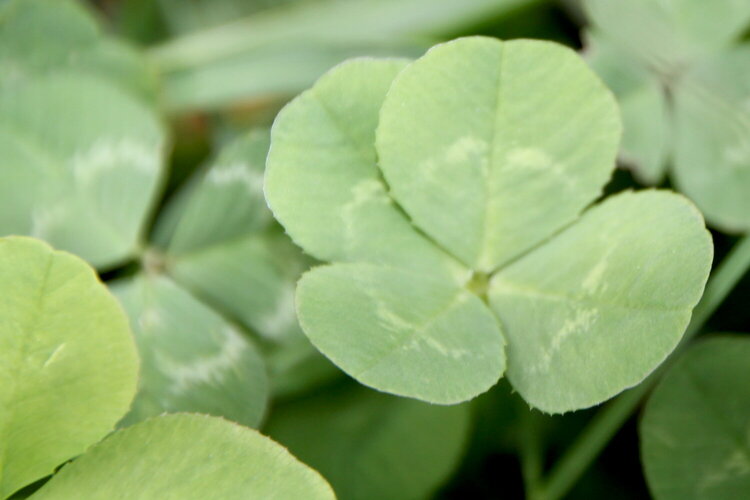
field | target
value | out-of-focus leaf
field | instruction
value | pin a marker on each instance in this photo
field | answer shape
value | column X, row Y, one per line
column 695, row 431
column 645, row 142
column 280, row 70
column 222, row 204
column 39, row 37
column 81, row 163
column 283, row 50
column 216, row 242
column 68, row 364
column 667, row 34
column 712, row 138
column 186, row 457
column 371, row 445
column 185, row 16
column 192, row 359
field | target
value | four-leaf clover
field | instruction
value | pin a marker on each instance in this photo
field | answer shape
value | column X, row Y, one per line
column 451, row 195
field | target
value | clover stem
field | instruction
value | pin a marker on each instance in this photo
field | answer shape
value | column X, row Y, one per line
column 153, row 261
column 613, row 416
column 530, row 446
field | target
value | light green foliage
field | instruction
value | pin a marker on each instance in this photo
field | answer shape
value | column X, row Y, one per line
column 616, row 288
column 39, row 37
column 374, row 446
column 82, row 154
column 482, row 143
column 402, row 332
column 487, row 151
column 283, row 49
column 186, row 457
column 223, row 204
column 81, row 162
column 667, row 34
column 695, row 431
column 192, row 359
column 326, row 138
column 68, row 364
column 712, row 122
column 643, row 103
column 218, row 267
column 647, row 50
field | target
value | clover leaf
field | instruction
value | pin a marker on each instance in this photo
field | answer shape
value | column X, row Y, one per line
column 88, row 187
column 68, row 364
column 192, row 358
column 668, row 34
column 695, row 442
column 680, row 77
column 450, row 195
column 85, row 188
column 646, row 136
column 187, row 457
column 218, row 275
column 41, row 37
column 712, row 137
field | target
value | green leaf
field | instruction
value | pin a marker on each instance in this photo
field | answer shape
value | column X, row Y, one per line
column 218, row 244
column 284, row 49
column 325, row 138
column 192, row 359
column 695, row 442
column 645, row 142
column 186, row 457
column 282, row 69
column 68, row 364
column 39, row 37
column 599, row 307
column 223, row 204
column 401, row 331
column 361, row 440
column 667, row 34
column 488, row 153
column 497, row 186
column 712, row 145
column 85, row 188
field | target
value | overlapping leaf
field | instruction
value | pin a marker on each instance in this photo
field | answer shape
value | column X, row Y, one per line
column 190, row 457
column 192, row 358
column 362, row 440
column 643, row 104
column 82, row 152
column 490, row 151
column 667, row 34
column 218, row 266
column 68, row 364
column 39, row 37
column 684, row 49
column 695, row 431
column 712, row 134
column 285, row 47
column 219, row 242
column 86, row 187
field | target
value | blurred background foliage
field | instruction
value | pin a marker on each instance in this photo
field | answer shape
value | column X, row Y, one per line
column 225, row 66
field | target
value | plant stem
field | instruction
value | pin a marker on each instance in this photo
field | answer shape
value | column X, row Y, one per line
column 607, row 422
column 530, row 447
